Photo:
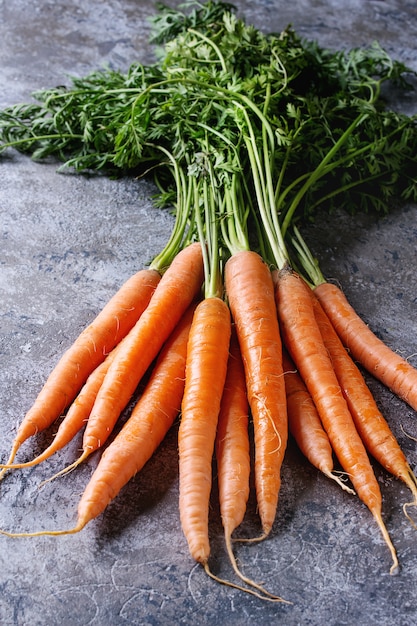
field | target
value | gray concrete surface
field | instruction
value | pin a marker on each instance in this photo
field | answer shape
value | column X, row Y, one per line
column 67, row 243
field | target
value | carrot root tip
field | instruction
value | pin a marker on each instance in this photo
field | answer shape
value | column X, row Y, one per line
column 245, row 579
column 41, row 533
column 67, row 469
column 9, row 462
column 257, row 539
column 228, row 583
column 408, row 516
column 395, row 565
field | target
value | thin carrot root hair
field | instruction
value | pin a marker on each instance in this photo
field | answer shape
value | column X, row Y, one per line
column 9, row 463
column 333, row 476
column 378, row 518
column 256, row 539
column 44, row 533
column 43, row 456
column 407, row 515
column 69, row 468
column 411, row 481
column 262, row 592
column 256, row 591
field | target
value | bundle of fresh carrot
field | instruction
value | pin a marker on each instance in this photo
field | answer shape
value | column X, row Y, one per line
column 246, row 136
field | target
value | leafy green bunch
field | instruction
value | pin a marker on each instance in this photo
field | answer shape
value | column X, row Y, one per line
column 224, row 100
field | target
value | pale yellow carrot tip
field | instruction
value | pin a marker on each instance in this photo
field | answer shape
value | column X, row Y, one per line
column 10, row 466
column 257, row 539
column 67, row 469
column 42, row 533
column 411, row 481
column 408, row 516
column 262, row 591
column 395, row 565
column 13, row 451
column 228, row 583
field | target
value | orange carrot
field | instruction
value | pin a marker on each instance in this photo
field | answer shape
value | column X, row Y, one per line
column 133, row 446
column 305, row 424
column 370, row 423
column 86, row 353
column 303, row 340
column 178, row 287
column 250, row 292
column 233, row 457
column 232, row 444
column 206, row 367
column 370, row 351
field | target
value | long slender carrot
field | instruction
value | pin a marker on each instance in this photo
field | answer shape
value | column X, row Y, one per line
column 90, row 348
column 250, row 291
column 365, row 347
column 232, row 444
column 304, row 342
column 206, row 366
column 233, row 456
column 371, row 425
column 179, row 286
column 305, row 425
column 133, row 446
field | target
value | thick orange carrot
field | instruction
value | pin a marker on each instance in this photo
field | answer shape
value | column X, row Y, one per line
column 304, row 342
column 206, row 366
column 250, row 291
column 86, row 353
column 365, row 347
column 178, row 287
column 305, row 425
column 133, row 446
column 373, row 428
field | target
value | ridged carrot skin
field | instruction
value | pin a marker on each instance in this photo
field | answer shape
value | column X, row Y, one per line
column 371, row 425
column 179, row 286
column 206, row 366
column 304, row 342
column 151, row 418
column 250, row 293
column 232, row 443
column 90, row 348
column 366, row 348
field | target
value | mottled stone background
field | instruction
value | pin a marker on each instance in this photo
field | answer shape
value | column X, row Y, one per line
column 67, row 243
